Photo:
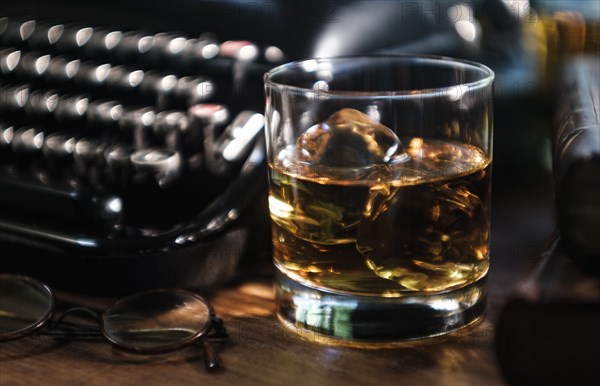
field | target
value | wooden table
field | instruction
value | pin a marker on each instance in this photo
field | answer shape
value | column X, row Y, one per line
column 261, row 351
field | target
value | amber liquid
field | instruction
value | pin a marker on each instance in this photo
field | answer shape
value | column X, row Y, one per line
column 387, row 230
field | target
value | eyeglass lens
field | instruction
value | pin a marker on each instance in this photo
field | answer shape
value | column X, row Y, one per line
column 157, row 320
column 25, row 305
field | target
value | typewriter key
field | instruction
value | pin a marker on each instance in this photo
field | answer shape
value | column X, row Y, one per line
column 205, row 120
column 169, row 126
column 71, row 108
column 41, row 103
column 242, row 50
column 124, row 79
column 3, row 25
column 103, row 41
column 104, row 113
column 6, row 137
column 13, row 97
column 139, row 122
column 26, row 145
column 132, row 45
column 118, row 168
column 62, row 70
column 155, row 165
column 58, row 149
column 45, row 35
column 166, row 46
column 92, row 75
column 194, row 89
column 89, row 161
column 203, row 48
column 33, row 65
column 274, row 55
column 17, row 31
column 159, row 86
column 73, row 38
column 9, row 60
column 240, row 135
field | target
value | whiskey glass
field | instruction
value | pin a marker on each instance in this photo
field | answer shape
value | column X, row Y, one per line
column 379, row 195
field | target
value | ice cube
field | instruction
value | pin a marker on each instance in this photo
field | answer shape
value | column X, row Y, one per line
column 424, row 237
column 350, row 139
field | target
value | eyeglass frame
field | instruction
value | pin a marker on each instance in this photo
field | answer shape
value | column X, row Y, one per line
column 211, row 358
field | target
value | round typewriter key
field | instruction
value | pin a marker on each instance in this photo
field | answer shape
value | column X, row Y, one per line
column 242, row 50
column 104, row 113
column 118, row 171
column 58, row 150
column 137, row 115
column 158, row 86
column 162, row 165
column 138, row 122
column 41, row 103
column 3, row 25
column 192, row 90
column 33, row 65
column 206, row 47
column 273, row 54
column 17, row 31
column 74, row 38
column 9, row 60
column 156, row 160
column 168, row 121
column 169, row 126
column 103, row 41
column 132, row 45
column 176, row 46
column 45, row 35
column 71, row 107
column 93, row 75
column 206, row 118
column 28, row 140
column 13, row 97
column 124, row 79
column 26, row 145
column 26, row 305
column 187, row 57
column 166, row 46
column 89, row 160
column 157, row 321
column 6, row 137
column 61, row 69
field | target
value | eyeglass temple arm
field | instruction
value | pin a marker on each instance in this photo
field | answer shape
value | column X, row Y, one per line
column 53, row 326
column 212, row 361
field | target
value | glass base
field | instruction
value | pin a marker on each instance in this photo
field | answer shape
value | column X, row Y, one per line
column 335, row 318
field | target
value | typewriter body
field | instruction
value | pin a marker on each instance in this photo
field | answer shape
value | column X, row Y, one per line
column 129, row 157
column 130, row 145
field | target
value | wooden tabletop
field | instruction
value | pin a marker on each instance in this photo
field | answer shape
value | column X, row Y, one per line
column 261, row 351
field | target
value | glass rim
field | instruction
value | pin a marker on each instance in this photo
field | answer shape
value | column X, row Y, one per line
column 486, row 80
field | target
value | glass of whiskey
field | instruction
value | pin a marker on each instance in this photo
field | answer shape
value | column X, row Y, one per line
column 379, row 195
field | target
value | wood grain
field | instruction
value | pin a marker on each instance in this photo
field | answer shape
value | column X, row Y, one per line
column 258, row 351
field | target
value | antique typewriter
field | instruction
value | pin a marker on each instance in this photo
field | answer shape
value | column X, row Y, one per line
column 128, row 158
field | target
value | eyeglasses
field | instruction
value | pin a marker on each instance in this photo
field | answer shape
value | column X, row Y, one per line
column 150, row 322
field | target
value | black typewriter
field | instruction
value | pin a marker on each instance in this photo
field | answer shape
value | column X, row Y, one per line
column 128, row 158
